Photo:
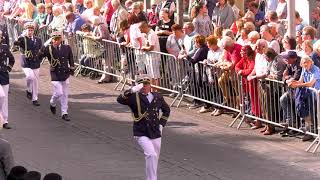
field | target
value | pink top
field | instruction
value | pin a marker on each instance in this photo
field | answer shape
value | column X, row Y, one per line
column 108, row 5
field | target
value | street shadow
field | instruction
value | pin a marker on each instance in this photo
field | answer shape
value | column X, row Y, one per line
column 176, row 124
column 91, row 96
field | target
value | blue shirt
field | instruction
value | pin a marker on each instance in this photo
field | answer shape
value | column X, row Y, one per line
column 312, row 74
column 75, row 25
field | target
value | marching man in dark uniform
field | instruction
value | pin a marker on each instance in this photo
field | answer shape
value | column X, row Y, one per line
column 30, row 47
column 6, row 64
column 61, row 67
column 147, row 126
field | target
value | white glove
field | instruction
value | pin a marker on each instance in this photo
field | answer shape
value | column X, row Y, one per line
column 137, row 88
column 160, row 128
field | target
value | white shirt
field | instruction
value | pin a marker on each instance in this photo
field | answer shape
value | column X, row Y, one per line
column 261, row 65
column 214, row 56
column 153, row 40
column 134, row 35
column 274, row 44
column 150, row 97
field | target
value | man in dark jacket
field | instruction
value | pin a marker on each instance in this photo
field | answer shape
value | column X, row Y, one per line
column 147, row 126
column 5, row 68
column 30, row 47
column 61, row 67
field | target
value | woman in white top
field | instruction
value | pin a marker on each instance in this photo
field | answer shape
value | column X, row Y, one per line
column 282, row 9
column 59, row 19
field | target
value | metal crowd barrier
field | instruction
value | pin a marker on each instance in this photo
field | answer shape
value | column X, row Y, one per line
column 266, row 100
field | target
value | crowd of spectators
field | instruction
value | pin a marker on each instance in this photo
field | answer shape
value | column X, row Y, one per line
column 253, row 44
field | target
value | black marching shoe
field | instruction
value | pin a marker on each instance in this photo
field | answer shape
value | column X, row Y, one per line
column 66, row 117
column 35, row 103
column 53, row 109
column 29, row 95
column 6, row 126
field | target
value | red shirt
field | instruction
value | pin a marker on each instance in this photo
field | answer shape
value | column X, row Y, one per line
column 111, row 10
column 246, row 66
column 234, row 56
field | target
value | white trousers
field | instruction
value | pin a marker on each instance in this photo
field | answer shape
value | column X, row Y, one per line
column 60, row 93
column 32, row 76
column 4, row 89
column 151, row 149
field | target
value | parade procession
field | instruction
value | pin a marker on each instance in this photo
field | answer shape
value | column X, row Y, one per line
column 159, row 89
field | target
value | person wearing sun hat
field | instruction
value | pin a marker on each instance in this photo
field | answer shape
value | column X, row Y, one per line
column 30, row 46
column 147, row 122
column 61, row 62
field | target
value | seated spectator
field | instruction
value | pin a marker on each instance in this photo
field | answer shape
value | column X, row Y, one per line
column 266, row 34
column 41, row 14
column 243, row 39
column 202, row 21
column 32, row 175
column 258, row 15
column 74, row 23
column 272, row 17
column 153, row 17
column 17, row 173
column 307, row 48
column 87, row 45
column 316, row 20
column 175, row 40
column 52, row 176
column 310, row 77
column 79, row 6
column 309, row 33
column 299, row 41
column 229, row 33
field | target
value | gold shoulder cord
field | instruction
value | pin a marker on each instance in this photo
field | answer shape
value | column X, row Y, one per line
column 28, row 54
column 140, row 115
column 54, row 62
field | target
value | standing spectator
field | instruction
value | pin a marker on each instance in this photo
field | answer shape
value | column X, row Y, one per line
column 108, row 11
column 58, row 21
column 258, row 15
column 153, row 18
column 243, row 39
column 80, row 8
column 202, row 22
column 74, row 23
column 316, row 20
column 315, row 56
column 175, row 40
column 41, row 14
column 272, row 17
column 120, row 15
column 223, row 15
column 188, row 42
column 265, row 32
column 309, row 33
column 253, row 37
column 282, row 9
column 271, row 5
column 89, row 5
column 299, row 25
column 236, row 10
column 153, row 60
column 49, row 16
column 290, row 74
column 167, row 4
column 211, row 4
column 310, row 77
column 307, row 48
column 163, row 29
column 288, row 44
column 136, row 9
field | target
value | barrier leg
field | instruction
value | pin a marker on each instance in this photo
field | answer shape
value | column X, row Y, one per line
column 234, row 120
column 315, row 142
column 180, row 100
column 174, row 100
